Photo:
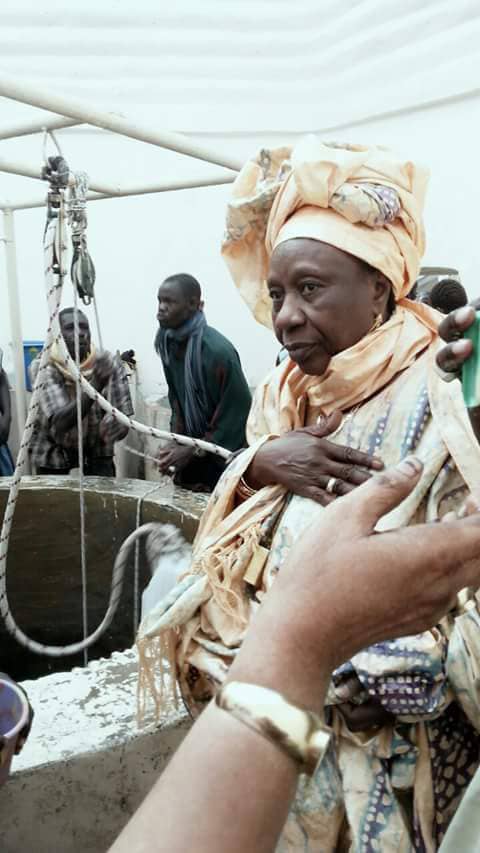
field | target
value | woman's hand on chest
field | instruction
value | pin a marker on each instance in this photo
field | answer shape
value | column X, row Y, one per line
column 307, row 464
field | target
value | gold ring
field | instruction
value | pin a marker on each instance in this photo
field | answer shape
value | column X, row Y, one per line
column 330, row 488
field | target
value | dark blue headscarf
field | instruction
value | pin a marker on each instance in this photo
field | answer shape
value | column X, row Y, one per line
column 6, row 461
column 196, row 401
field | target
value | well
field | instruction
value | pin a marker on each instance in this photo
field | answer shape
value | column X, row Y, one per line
column 44, row 576
column 86, row 765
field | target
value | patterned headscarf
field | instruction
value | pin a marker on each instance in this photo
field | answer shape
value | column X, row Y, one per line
column 366, row 201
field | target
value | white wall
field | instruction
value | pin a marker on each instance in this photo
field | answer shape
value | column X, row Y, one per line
column 136, row 242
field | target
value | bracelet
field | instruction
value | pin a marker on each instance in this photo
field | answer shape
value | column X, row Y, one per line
column 446, row 375
column 465, row 602
column 297, row 732
column 244, row 491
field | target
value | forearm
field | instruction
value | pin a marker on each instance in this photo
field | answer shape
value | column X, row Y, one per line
column 229, row 804
column 232, row 771
column 255, row 476
column 261, row 471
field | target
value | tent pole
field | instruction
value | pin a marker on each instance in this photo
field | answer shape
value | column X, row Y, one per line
column 15, row 323
column 28, row 93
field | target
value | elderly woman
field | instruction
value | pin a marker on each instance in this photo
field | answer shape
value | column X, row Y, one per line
column 324, row 242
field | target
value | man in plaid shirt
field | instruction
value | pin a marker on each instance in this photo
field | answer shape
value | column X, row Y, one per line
column 54, row 444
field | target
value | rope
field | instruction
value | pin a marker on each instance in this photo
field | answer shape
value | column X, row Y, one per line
column 46, row 135
column 97, row 323
column 130, row 422
column 143, row 455
column 54, row 246
column 83, row 555
column 136, row 568
column 123, row 556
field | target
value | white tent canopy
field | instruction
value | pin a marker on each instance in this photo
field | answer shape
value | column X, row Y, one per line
column 216, row 80
column 245, row 66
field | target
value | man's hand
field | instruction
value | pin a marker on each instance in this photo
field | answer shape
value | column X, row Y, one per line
column 102, row 370
column 304, row 461
column 174, row 456
column 451, row 358
column 112, row 430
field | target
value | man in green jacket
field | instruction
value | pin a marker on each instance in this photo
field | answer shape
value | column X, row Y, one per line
column 207, row 389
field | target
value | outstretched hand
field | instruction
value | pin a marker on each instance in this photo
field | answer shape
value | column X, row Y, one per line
column 341, row 589
column 378, row 586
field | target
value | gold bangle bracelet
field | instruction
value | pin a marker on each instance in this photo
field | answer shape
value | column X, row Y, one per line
column 297, row 732
column 245, row 491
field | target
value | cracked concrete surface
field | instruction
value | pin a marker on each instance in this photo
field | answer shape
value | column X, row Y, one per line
column 86, row 766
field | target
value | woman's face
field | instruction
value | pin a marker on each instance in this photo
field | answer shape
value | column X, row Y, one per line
column 323, row 301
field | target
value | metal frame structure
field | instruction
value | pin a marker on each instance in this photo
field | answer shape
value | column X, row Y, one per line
column 68, row 112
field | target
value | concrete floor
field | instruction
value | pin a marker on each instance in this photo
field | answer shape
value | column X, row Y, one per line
column 86, row 766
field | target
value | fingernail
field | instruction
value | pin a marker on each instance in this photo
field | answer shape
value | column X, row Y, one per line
column 460, row 347
column 378, row 464
column 410, row 466
column 463, row 314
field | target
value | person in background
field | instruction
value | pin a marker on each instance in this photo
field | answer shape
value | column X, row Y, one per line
column 445, row 295
column 6, row 461
column 207, row 389
column 231, row 782
column 54, row 445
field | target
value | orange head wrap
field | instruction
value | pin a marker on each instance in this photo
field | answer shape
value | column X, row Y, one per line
column 363, row 200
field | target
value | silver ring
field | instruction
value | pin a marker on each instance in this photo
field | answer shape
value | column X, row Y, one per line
column 330, row 487
column 447, row 376
column 171, row 469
